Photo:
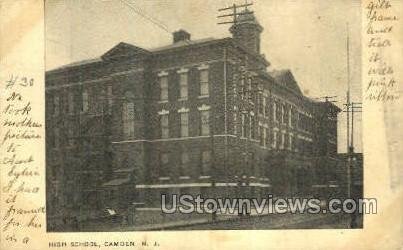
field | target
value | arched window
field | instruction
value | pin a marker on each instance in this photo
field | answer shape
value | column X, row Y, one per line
column 128, row 115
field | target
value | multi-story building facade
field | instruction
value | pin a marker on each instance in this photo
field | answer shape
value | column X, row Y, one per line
column 197, row 116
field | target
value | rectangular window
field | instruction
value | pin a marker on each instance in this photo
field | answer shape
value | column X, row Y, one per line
column 184, row 164
column 128, row 119
column 206, row 163
column 267, row 108
column 261, row 132
column 264, row 106
column 260, row 103
column 110, row 98
column 205, row 122
column 264, row 139
column 184, row 124
column 267, row 131
column 290, row 111
column 96, row 102
column 275, row 139
column 164, row 88
column 300, row 118
column 56, row 105
column 85, row 100
column 183, row 85
column 282, row 114
column 71, row 102
column 279, row 108
column 291, row 143
column 282, row 140
column 295, row 118
column 204, row 82
column 252, row 126
column 243, row 118
column 249, row 85
column 274, row 111
column 235, row 120
column 243, row 88
column 164, row 126
column 71, row 135
column 164, row 161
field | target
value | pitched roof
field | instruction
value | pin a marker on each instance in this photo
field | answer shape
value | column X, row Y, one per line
column 80, row 63
column 124, row 50
column 182, row 44
column 286, row 78
column 127, row 50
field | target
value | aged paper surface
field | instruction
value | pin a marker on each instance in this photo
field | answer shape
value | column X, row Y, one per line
column 49, row 37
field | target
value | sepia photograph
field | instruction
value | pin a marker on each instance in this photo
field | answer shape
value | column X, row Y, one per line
column 203, row 115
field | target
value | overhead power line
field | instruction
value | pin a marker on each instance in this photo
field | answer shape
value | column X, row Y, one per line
column 140, row 12
column 154, row 21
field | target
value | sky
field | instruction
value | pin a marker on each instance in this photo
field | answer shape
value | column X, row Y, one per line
column 306, row 36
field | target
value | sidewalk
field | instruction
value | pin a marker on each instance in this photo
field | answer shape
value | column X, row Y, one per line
column 277, row 221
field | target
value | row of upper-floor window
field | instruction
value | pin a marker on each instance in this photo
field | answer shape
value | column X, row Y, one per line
column 275, row 108
column 164, row 83
column 204, row 125
column 248, row 123
column 275, row 139
column 164, row 121
column 284, row 113
column 281, row 112
column 89, row 101
column 95, row 102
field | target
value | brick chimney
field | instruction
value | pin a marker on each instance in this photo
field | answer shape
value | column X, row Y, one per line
column 181, row 35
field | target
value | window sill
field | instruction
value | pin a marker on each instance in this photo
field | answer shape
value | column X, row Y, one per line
column 205, row 177
column 183, row 99
column 164, row 178
column 203, row 96
column 165, row 101
column 184, row 177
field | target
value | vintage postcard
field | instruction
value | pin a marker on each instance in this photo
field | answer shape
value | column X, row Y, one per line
column 200, row 124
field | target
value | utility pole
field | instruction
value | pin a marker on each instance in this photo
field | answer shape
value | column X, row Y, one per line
column 348, row 114
column 356, row 107
column 234, row 12
column 348, row 89
column 353, row 107
column 214, row 172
